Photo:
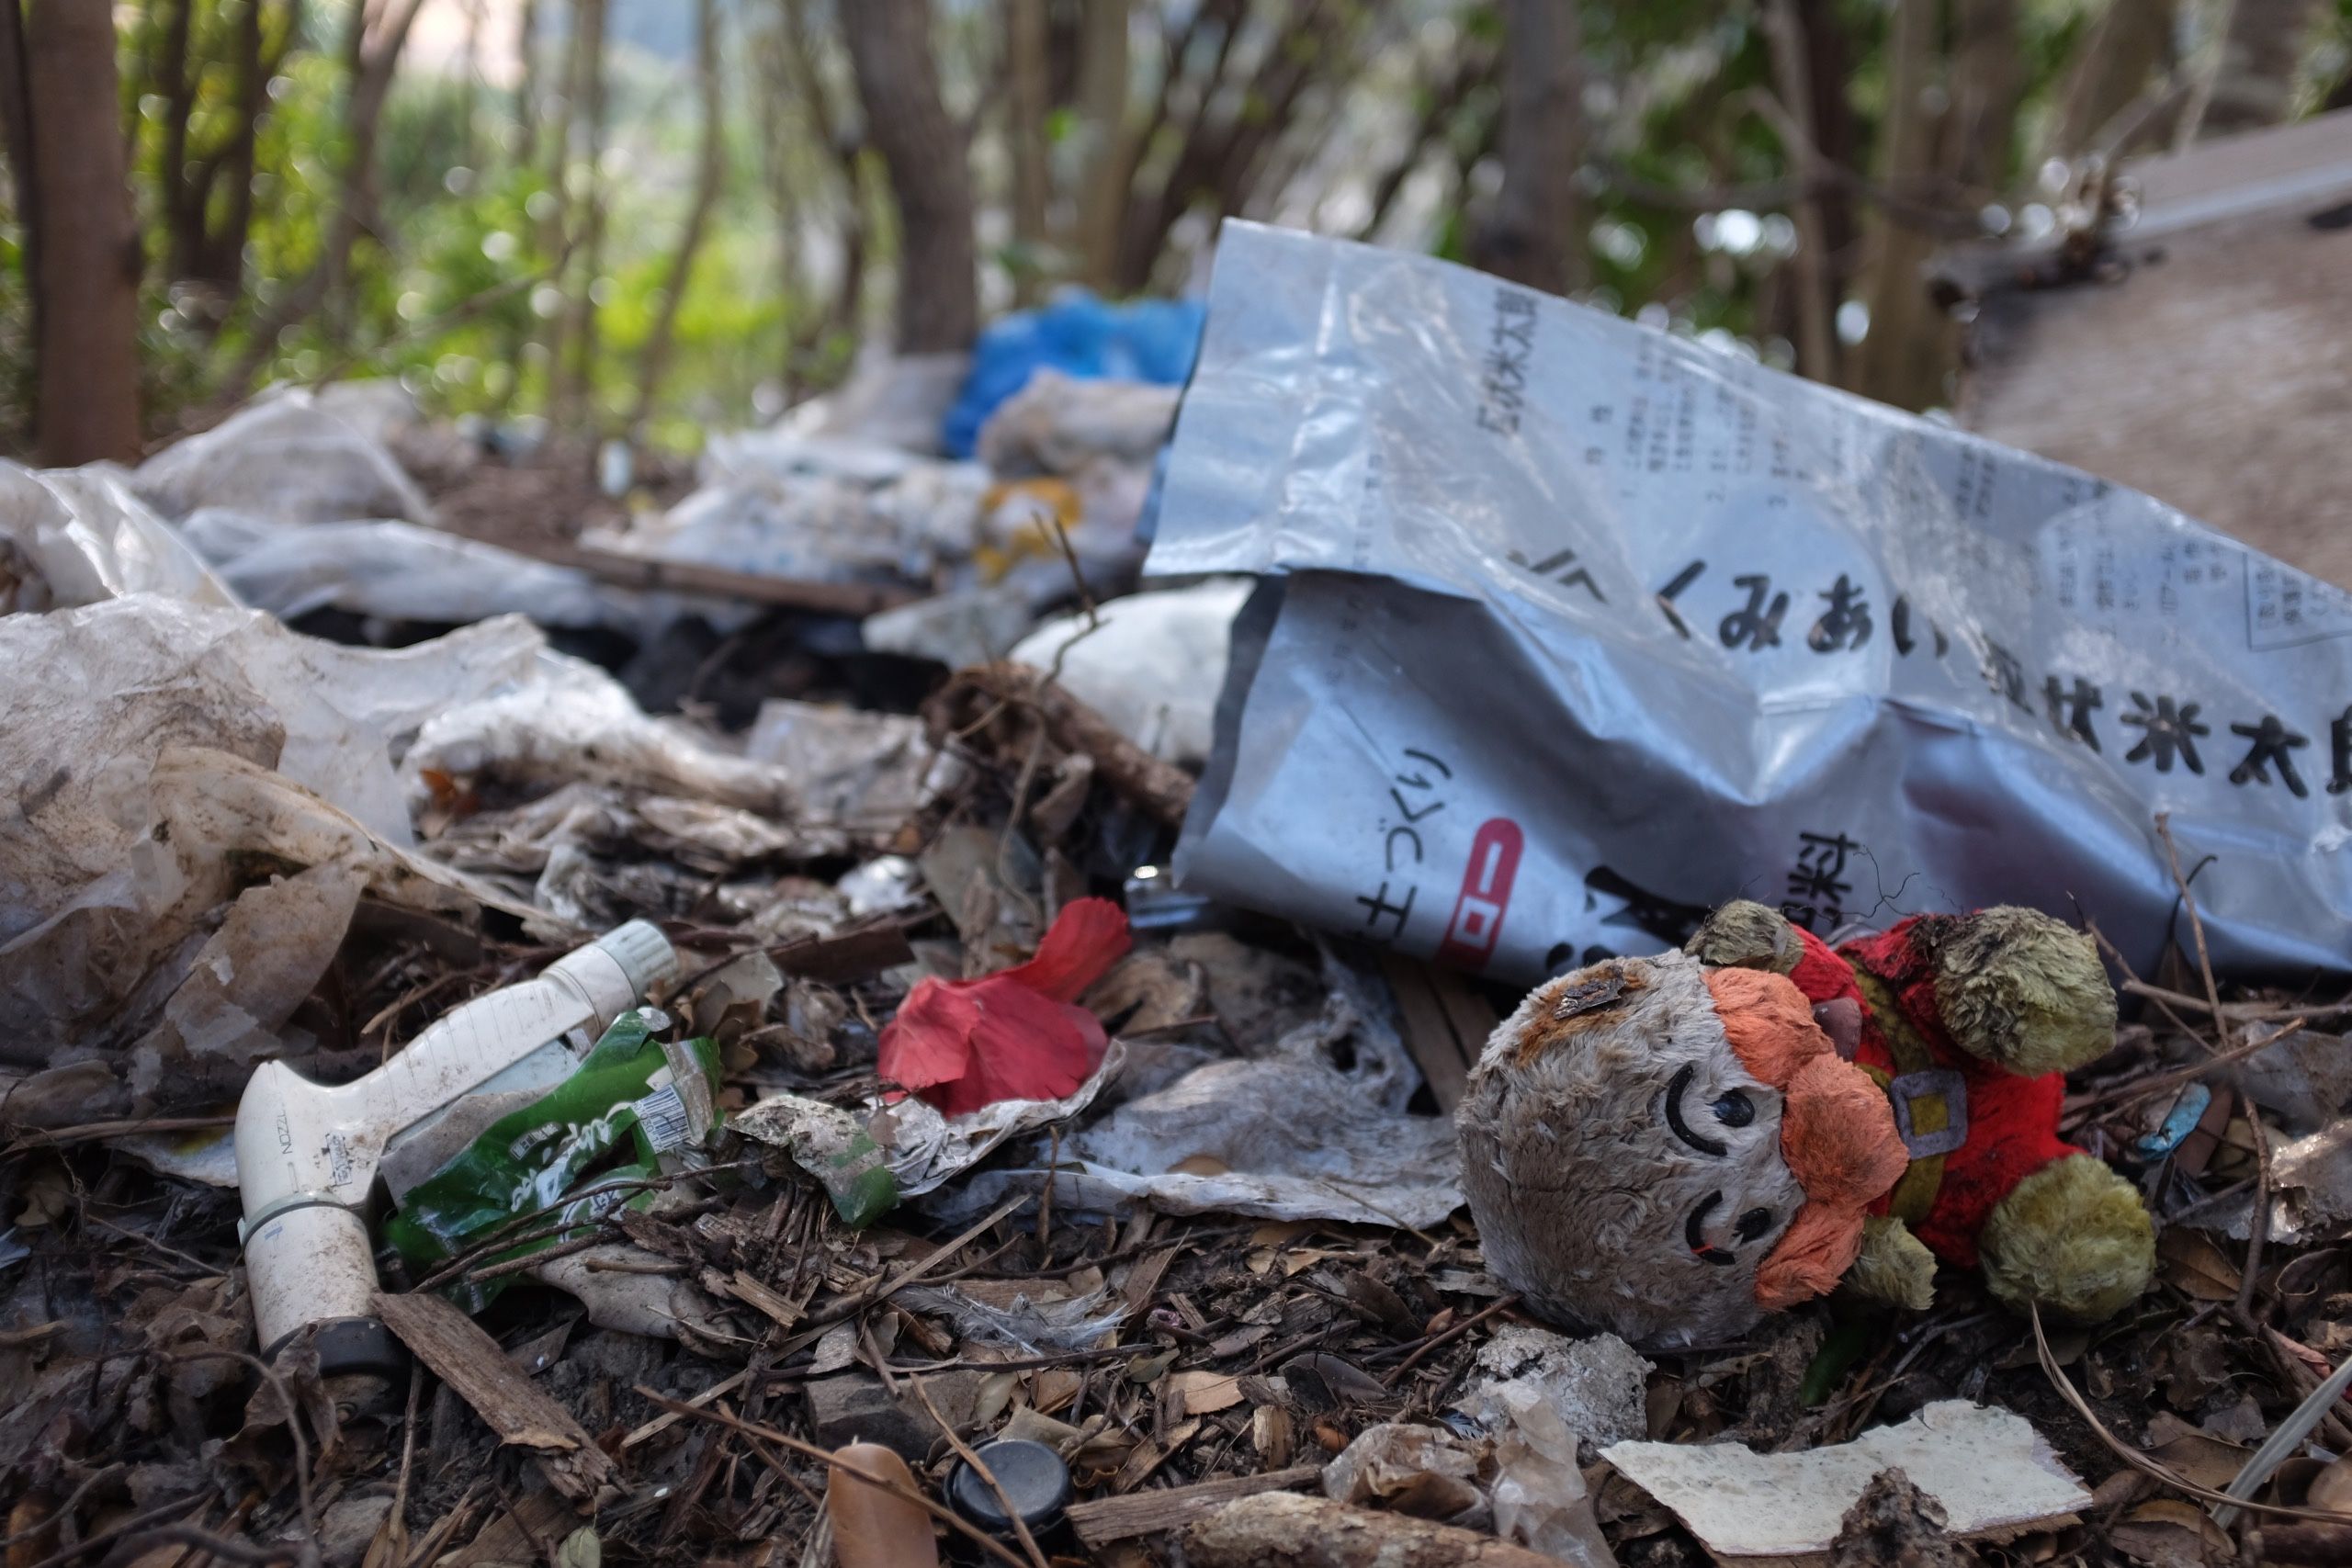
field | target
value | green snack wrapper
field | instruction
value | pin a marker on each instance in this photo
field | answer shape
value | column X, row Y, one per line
column 633, row 1097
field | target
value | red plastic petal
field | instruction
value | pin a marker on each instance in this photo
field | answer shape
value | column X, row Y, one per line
column 930, row 1040
column 1086, row 938
column 1016, row 1034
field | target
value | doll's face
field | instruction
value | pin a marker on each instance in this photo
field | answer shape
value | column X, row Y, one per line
column 1625, row 1166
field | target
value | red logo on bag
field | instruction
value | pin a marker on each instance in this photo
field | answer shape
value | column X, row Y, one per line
column 1477, row 921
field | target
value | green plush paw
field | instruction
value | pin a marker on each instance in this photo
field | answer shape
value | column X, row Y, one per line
column 1744, row 934
column 2022, row 992
column 1895, row 1266
column 2072, row 1237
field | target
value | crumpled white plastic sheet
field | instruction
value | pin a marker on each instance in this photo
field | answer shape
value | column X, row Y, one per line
column 74, row 537
column 174, row 755
column 823, row 512
column 162, row 976
column 1153, row 666
column 853, row 768
column 1297, row 1138
column 398, row 570
column 1058, row 423
column 282, row 457
column 566, row 721
column 926, row 1149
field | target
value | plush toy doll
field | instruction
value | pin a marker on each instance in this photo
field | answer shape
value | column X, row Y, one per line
column 1671, row 1146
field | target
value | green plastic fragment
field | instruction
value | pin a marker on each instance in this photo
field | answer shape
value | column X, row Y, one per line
column 563, row 1160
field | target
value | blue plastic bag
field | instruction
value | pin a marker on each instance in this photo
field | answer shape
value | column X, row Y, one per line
column 1149, row 339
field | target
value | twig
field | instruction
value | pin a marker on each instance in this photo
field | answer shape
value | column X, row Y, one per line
column 407, row 1450
column 2258, row 1226
column 2316, row 1407
column 874, row 1294
column 2129, row 980
column 293, row 1430
column 2195, row 928
column 1500, row 1305
column 2245, row 1012
column 979, row 1468
column 129, row 1527
column 2138, row 1089
column 751, row 1430
column 65, row 1509
column 2154, row 1468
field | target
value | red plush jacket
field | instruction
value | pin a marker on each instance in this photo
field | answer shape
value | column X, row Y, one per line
column 1974, row 1130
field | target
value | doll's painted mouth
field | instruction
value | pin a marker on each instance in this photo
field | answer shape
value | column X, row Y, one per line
column 1694, row 1233
column 1751, row 1226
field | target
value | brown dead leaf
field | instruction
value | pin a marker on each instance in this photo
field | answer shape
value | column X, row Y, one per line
column 2200, row 1456
column 2167, row 1533
column 2331, row 1488
column 1201, row 1392
column 2197, row 1267
column 1053, row 1388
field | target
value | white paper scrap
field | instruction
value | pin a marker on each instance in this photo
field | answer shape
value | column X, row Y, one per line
column 1989, row 1469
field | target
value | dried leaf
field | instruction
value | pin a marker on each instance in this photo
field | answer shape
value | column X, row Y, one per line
column 2167, row 1533
column 1201, row 1392
column 581, row 1549
column 2196, row 1267
column 2201, row 1457
column 2331, row 1488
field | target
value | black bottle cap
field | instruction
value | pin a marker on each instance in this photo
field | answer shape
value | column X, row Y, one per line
column 1032, row 1474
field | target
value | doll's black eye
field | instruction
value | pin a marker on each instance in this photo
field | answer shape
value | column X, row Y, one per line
column 1753, row 1223
column 1734, row 1109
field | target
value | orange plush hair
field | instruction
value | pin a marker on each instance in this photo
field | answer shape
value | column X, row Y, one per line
column 1837, row 1130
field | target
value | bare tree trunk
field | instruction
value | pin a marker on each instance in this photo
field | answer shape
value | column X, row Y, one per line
column 1024, row 44
column 1223, row 156
column 847, row 162
column 1894, row 364
column 1537, row 234
column 1988, row 79
column 1812, row 271
column 469, row 84
column 86, row 354
column 1443, row 98
column 2121, row 55
column 527, row 83
column 571, row 394
column 177, row 86
column 1102, row 101
column 18, row 380
column 931, row 180
column 710, row 169
column 2252, row 84
column 372, row 54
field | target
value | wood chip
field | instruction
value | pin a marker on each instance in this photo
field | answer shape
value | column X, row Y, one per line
column 1201, row 1392
column 1107, row 1519
column 509, row 1403
column 1445, row 1024
column 526, row 1533
column 647, row 574
column 847, row 957
column 1142, row 1279
column 1315, row 1532
column 753, row 1294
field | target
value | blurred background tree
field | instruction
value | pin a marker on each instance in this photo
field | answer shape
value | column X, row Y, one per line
column 650, row 218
